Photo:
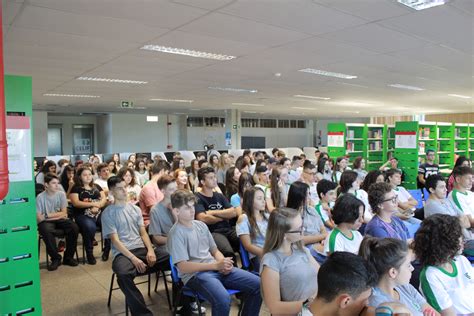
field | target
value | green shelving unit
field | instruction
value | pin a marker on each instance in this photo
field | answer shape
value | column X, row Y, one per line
column 336, row 139
column 471, row 141
column 356, row 141
column 445, row 150
column 427, row 138
column 390, row 141
column 407, row 146
column 376, row 146
column 19, row 267
column 461, row 140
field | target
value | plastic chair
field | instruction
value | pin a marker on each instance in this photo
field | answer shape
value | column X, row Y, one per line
column 186, row 291
column 426, row 194
column 244, row 257
column 416, row 194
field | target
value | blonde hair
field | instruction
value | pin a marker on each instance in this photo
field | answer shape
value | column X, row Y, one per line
column 278, row 225
column 222, row 164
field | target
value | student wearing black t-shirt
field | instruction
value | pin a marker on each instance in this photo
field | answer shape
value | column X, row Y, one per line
column 427, row 169
column 215, row 210
column 87, row 199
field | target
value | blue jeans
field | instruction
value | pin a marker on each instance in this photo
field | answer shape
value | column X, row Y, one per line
column 212, row 286
column 88, row 227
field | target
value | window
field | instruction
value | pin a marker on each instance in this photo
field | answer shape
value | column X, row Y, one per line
column 268, row 123
column 250, row 122
column 301, row 124
column 283, row 123
column 195, row 121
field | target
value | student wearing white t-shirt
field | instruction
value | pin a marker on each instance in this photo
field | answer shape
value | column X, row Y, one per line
column 463, row 200
column 348, row 215
column 447, row 278
column 309, row 177
column 350, row 183
column 406, row 203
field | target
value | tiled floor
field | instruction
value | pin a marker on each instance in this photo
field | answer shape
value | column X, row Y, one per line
column 83, row 290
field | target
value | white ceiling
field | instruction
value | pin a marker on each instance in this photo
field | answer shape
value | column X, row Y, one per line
column 380, row 41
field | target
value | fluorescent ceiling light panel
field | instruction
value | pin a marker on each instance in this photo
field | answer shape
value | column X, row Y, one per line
column 402, row 86
column 112, row 80
column 310, row 97
column 460, row 96
column 70, row 95
column 228, row 89
column 248, row 104
column 327, row 73
column 152, row 118
column 301, row 108
column 422, row 4
column 187, row 52
column 250, row 112
column 173, row 100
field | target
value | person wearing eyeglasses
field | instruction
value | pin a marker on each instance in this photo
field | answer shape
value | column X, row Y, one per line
column 309, row 176
column 384, row 203
column 287, row 270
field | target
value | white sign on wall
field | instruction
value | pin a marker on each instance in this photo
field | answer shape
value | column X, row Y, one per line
column 405, row 140
column 20, row 160
column 336, row 139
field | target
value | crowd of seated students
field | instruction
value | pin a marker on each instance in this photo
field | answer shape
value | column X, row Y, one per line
column 295, row 218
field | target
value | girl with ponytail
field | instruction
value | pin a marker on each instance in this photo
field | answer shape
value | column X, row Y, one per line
column 391, row 260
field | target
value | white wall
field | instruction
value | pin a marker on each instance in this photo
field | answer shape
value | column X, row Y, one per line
column 104, row 134
column 40, row 133
column 132, row 133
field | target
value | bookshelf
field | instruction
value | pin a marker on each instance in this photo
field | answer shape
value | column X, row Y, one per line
column 471, row 141
column 356, row 141
column 376, row 146
column 445, row 149
column 410, row 144
column 390, row 141
column 461, row 140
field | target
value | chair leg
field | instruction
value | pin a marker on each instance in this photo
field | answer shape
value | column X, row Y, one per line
column 149, row 284
column 126, row 308
column 157, row 274
column 110, row 290
column 166, row 289
column 83, row 251
column 175, row 302
column 199, row 305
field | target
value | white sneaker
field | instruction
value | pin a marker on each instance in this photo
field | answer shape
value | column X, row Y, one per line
column 194, row 308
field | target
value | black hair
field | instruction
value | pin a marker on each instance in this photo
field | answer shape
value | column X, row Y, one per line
column 391, row 172
column 321, row 164
column 461, row 171
column 297, row 195
column 383, row 253
column 370, row 179
column 324, row 186
column 245, row 180
column 160, row 165
column 346, row 209
column 437, row 239
column 432, row 181
column 308, row 165
column 203, row 172
column 49, row 177
column 282, row 160
column 344, row 272
column 113, row 181
column 47, row 165
column 348, row 177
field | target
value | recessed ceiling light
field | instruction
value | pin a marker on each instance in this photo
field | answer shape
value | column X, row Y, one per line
column 133, row 108
column 402, row 86
column 460, row 96
column 248, row 104
column 356, row 112
column 422, row 4
column 152, row 118
column 302, row 108
column 194, row 109
column 112, row 80
column 352, row 85
column 173, row 100
column 70, row 95
column 327, row 73
column 353, row 103
column 310, row 97
column 250, row 112
column 177, row 113
column 186, row 52
column 233, row 89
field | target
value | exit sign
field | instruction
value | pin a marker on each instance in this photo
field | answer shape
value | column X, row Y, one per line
column 126, row 104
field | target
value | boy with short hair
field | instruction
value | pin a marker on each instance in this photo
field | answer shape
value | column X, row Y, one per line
column 133, row 252
column 463, row 200
column 345, row 284
column 202, row 267
column 327, row 196
column 427, row 169
column 51, row 214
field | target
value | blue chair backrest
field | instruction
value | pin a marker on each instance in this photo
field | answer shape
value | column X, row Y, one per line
column 417, row 196
column 426, row 194
column 244, row 255
column 174, row 272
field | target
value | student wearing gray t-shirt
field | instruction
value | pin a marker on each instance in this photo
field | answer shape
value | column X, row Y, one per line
column 288, row 270
column 132, row 249
column 161, row 215
column 392, row 261
column 202, row 267
column 51, row 215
